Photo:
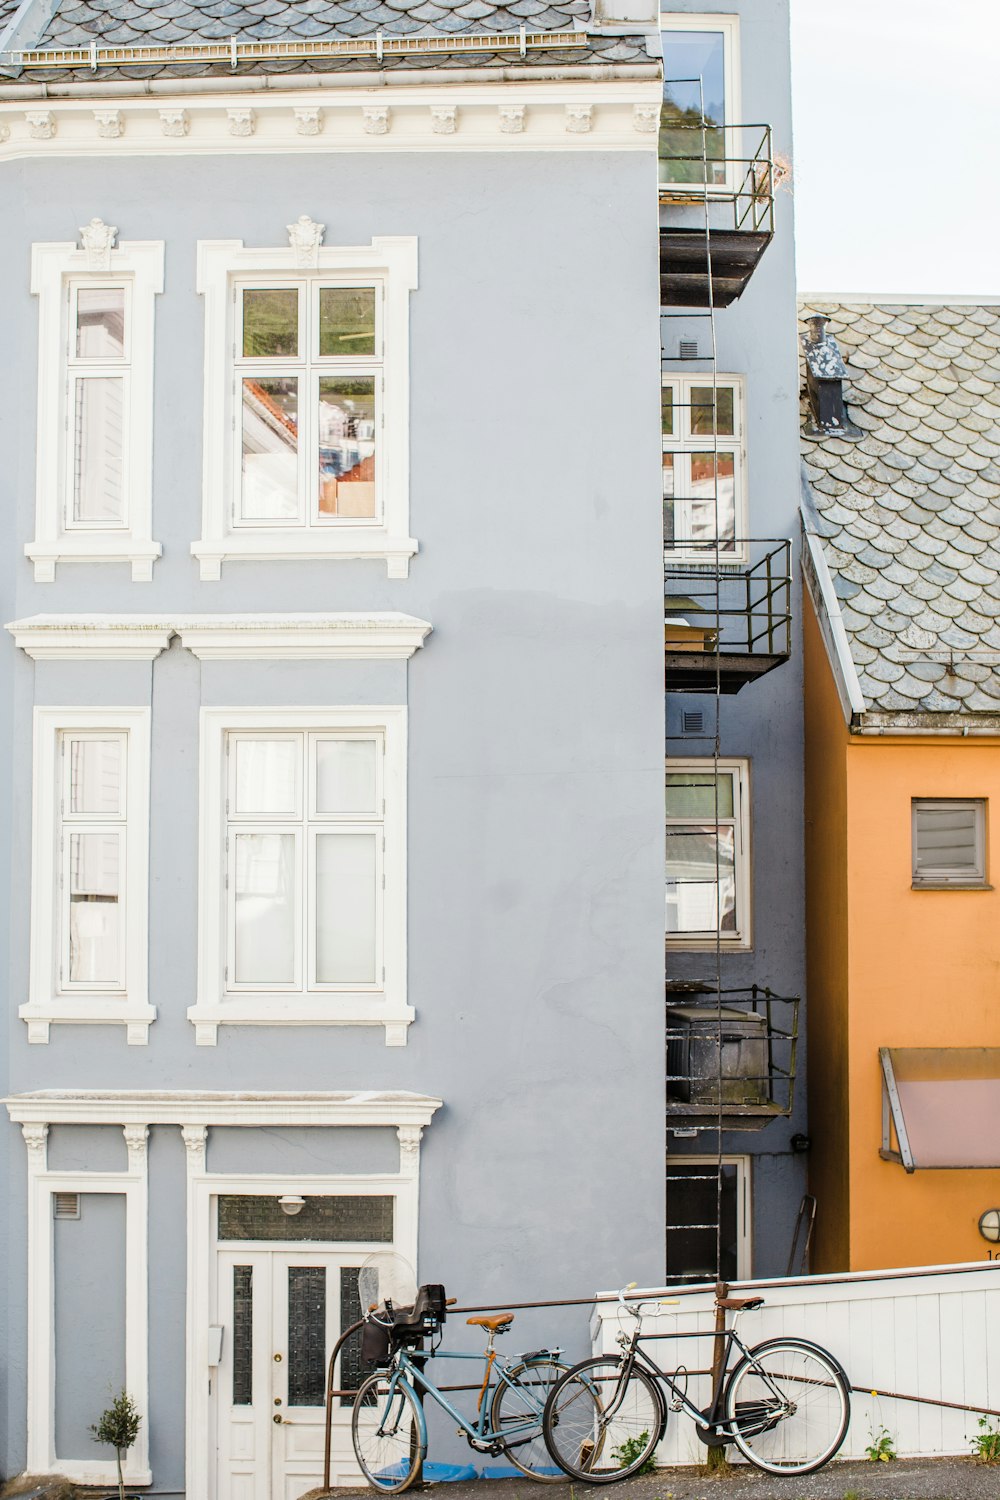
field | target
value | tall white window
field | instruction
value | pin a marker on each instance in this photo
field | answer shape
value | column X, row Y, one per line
column 95, row 396
column 700, row 72
column 303, row 856
column 306, row 404
column 708, row 853
column 704, row 468
column 89, row 871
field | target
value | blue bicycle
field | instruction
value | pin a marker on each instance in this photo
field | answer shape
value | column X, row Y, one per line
column 388, row 1425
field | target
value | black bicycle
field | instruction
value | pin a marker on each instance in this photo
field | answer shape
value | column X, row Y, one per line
column 785, row 1404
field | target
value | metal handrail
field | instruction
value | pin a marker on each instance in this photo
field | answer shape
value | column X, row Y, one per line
column 763, row 591
column 749, row 175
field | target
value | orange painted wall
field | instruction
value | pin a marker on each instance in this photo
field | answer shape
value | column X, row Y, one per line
column 922, row 970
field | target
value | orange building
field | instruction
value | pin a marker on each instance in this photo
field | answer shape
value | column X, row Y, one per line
column 901, row 568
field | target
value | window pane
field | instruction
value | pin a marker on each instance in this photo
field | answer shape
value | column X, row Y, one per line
column 701, row 410
column 345, row 908
column 271, row 323
column 265, row 908
column 94, row 909
column 306, row 1335
column 691, row 794
column 347, row 447
column 100, row 322
column 97, row 467
column 95, row 776
column 329, row 1219
column 667, row 410
column 266, row 776
column 345, row 776
column 687, row 57
column 270, row 450
column 695, row 858
column 692, row 1211
column 347, row 320
column 708, row 514
column 243, row 1335
column 946, row 841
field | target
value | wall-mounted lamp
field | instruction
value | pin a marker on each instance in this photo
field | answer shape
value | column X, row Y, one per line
column 291, row 1204
column 989, row 1225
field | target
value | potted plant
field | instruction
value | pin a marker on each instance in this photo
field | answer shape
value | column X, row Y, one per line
column 119, row 1428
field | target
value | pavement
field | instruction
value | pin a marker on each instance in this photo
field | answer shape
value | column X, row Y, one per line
column 903, row 1479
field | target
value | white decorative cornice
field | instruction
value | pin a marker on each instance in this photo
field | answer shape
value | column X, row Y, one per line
column 97, row 240
column 136, row 1139
column 174, row 122
column 579, row 118
column 512, row 119
column 34, row 1112
column 242, row 122
column 110, row 123
column 41, row 124
column 295, row 637
column 444, row 118
column 305, row 238
column 4, row 131
column 195, row 1140
column 409, row 1146
column 36, row 1135
column 375, row 119
column 646, row 118
column 308, row 120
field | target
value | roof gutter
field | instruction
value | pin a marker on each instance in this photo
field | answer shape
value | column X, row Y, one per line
column 819, row 586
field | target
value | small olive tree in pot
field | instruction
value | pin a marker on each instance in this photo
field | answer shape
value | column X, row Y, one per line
column 118, row 1429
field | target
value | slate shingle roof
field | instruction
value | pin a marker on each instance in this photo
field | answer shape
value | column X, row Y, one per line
column 910, row 513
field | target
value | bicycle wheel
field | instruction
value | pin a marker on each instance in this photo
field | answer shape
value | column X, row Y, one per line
column 600, row 1428
column 517, row 1412
column 787, row 1405
column 386, row 1434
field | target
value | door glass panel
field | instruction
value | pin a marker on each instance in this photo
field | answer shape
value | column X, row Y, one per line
column 265, row 908
column 94, row 909
column 701, row 410
column 270, row 450
column 345, row 776
column 95, row 776
column 700, row 880
column 345, row 908
column 692, row 1214
column 100, row 322
column 691, row 794
column 347, row 447
column 266, row 774
column 306, row 1335
column 271, row 323
column 97, row 451
column 352, row 1367
column 687, row 57
column 329, row 1219
column 243, row 1335
column 346, row 320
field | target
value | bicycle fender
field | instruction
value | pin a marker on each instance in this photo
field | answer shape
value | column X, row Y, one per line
column 806, row 1344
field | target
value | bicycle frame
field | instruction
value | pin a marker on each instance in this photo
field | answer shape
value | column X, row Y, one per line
column 408, row 1373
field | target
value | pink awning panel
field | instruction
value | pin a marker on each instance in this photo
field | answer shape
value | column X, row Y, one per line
column 944, row 1104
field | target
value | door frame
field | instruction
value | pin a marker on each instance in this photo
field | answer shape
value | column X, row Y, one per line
column 201, row 1474
column 744, row 1199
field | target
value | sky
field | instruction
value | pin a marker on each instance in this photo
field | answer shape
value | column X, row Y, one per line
column 897, row 137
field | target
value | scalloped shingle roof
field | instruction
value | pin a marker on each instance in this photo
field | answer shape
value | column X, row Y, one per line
column 910, row 513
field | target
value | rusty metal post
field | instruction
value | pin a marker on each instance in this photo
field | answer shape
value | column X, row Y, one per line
column 716, row 1457
column 330, row 1390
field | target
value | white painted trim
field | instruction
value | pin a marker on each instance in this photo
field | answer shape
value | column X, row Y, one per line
column 742, row 940
column 682, row 443
column 47, row 1002
column 818, row 583
column 348, row 636
column 133, row 1186
column 384, row 1006
column 744, row 1200
column 137, row 264
column 193, row 1110
column 390, row 263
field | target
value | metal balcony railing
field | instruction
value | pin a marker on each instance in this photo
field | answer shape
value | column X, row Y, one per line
column 726, row 623
column 731, row 1055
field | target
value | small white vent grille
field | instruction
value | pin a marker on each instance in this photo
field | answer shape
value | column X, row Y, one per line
column 689, row 348
column 65, row 1205
column 693, row 721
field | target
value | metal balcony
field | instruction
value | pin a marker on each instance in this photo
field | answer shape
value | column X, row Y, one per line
column 731, row 1057
column 725, row 623
column 717, row 210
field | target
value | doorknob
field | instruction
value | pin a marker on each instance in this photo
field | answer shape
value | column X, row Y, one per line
column 277, row 1416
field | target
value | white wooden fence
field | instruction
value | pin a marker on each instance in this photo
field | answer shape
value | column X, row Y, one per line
column 931, row 1333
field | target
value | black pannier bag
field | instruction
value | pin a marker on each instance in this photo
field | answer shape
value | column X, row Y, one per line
column 374, row 1345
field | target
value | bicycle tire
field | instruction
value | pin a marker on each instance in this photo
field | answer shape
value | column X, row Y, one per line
column 528, row 1452
column 391, row 1460
column 598, row 1432
column 765, row 1382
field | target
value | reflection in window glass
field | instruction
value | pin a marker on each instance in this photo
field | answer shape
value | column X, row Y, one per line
column 692, row 794
column 265, row 908
column 345, row 775
column 95, row 778
column 690, row 56
column 100, row 322
column 270, row 450
column 270, row 323
column 347, row 447
column 667, row 410
column 345, row 908
column 267, row 775
column 701, row 410
column 94, row 909
column 346, row 320
column 701, row 880
column 98, row 492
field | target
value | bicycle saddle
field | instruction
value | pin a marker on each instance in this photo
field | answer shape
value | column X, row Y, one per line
column 502, row 1320
column 739, row 1304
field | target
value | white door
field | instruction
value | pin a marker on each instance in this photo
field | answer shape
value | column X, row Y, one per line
column 280, row 1313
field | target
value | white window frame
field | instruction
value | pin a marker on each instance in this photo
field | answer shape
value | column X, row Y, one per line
column 742, row 939
column 931, row 879
column 57, row 271
column 49, row 999
column 744, row 1201
column 683, row 443
column 389, row 264
column 383, row 1004
column 729, row 26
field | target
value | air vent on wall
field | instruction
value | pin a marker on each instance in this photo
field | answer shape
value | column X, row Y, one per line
column 65, row 1205
column 689, row 348
column 693, row 721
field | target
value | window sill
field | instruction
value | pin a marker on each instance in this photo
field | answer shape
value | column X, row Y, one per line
column 349, row 544
column 94, row 547
column 674, row 943
column 89, row 1010
column 296, row 1010
column 951, row 885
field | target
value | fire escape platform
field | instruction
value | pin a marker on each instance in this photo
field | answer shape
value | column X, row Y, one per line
column 685, row 258
column 691, row 672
